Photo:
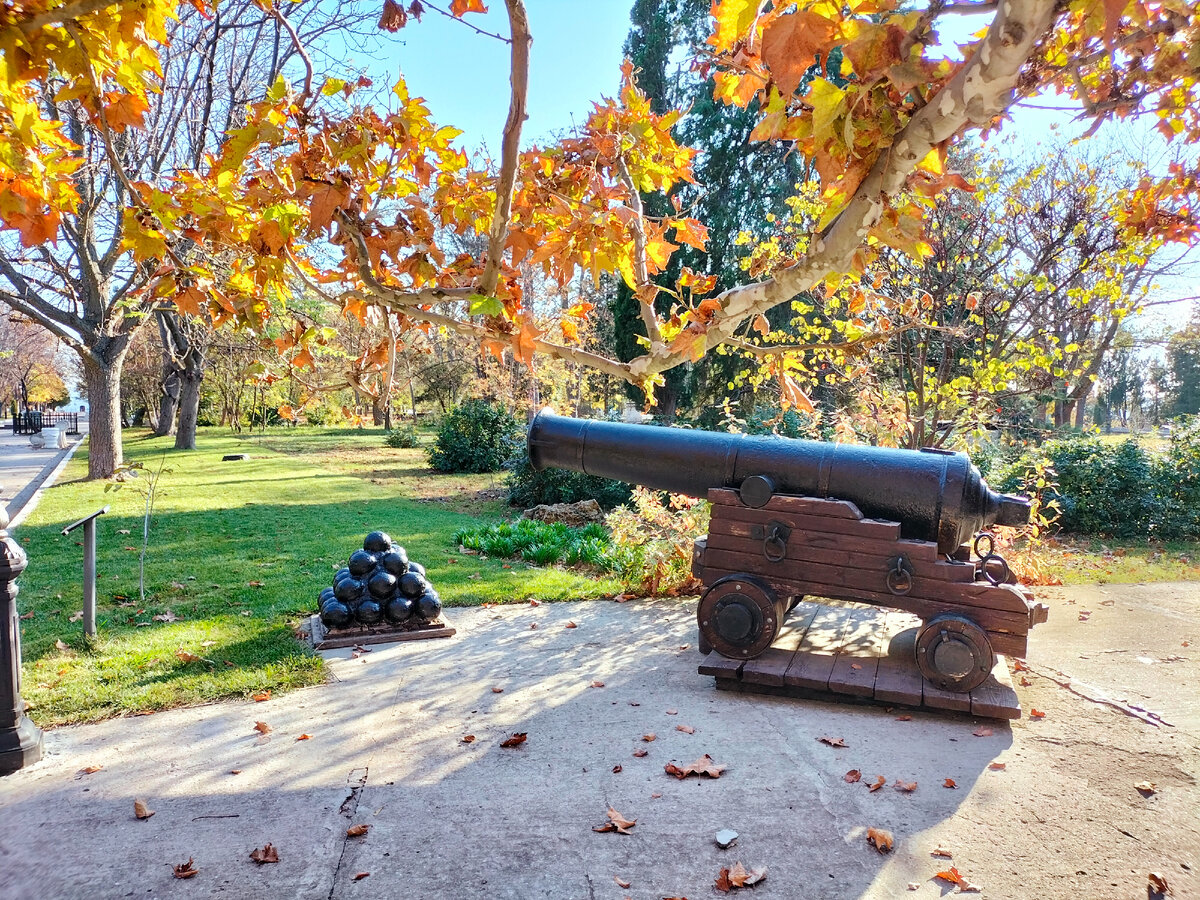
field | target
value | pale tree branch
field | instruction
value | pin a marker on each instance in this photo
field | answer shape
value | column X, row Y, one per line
column 510, row 147
column 306, row 96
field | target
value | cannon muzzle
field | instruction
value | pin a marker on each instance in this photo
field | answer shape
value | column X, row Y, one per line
column 935, row 495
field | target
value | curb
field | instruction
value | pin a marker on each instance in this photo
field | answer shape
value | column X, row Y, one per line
column 31, row 495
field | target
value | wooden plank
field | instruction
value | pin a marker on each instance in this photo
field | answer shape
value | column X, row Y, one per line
column 879, row 563
column 813, row 662
column 1007, row 631
column 824, row 540
column 857, row 660
column 840, row 509
column 869, row 528
column 721, row 666
column 936, row 698
column 769, row 668
column 996, row 698
column 324, row 639
column 897, row 679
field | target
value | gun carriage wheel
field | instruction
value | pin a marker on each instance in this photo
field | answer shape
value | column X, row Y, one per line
column 740, row 616
column 954, row 653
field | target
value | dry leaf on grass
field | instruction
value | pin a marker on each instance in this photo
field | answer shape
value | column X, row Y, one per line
column 621, row 882
column 640, row 752
column 262, row 727
column 686, row 729
column 906, row 787
column 705, row 765
column 141, row 810
column 267, row 854
column 1158, row 884
column 187, row 656
column 950, row 783
column 357, row 830
column 516, row 740
column 61, row 646
column 738, row 877
column 79, row 615
column 832, row 742
column 852, row 776
column 997, row 767
column 616, row 822
column 167, row 616
column 881, row 839
column 879, row 782
column 185, row 870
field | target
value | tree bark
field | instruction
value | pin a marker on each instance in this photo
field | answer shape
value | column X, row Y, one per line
column 103, row 380
column 189, row 408
column 168, row 402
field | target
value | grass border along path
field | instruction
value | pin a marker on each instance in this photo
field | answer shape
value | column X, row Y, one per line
column 238, row 553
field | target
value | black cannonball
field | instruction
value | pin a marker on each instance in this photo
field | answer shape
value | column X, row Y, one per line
column 382, row 585
column 412, row 584
column 377, row 542
column 341, row 573
column 398, row 610
column 361, row 562
column 369, row 612
column 326, row 594
column 416, row 567
column 348, row 590
column 429, row 604
column 335, row 614
column 394, row 561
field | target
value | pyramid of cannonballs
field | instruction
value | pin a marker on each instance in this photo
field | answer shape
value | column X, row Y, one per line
column 378, row 582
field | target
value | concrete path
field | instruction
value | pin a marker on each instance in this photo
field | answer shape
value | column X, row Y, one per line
column 450, row 819
column 23, row 470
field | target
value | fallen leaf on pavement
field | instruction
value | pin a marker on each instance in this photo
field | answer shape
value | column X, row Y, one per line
column 879, row 782
column 640, row 752
column 141, row 810
column 903, row 718
column 305, row 737
column 1036, row 714
column 533, row 625
column 1146, row 787
column 357, row 830
column 905, row 786
column 655, row 796
column 672, row 712
column 616, row 822
column 262, row 727
column 832, row 742
column 621, row 882
column 738, row 877
column 950, row 783
column 881, row 838
column 939, row 850
column 649, row 736
column 360, row 876
column 983, row 732
column 88, row 770
column 535, row 603
column 1020, row 665
column 497, row 690
column 855, row 666
column 597, row 684
column 997, row 767
column 852, row 776
column 705, row 765
column 1158, row 884
column 953, row 876
column 267, row 854
column 185, row 870
column 516, row 740
column 686, row 729
column 261, row 696
column 617, row 768
column 1025, row 682
column 468, row 739
column 571, row 625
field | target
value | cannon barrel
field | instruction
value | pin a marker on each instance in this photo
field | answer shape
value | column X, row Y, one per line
column 935, row 495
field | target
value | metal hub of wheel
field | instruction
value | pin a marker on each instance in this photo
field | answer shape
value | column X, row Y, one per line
column 954, row 653
column 739, row 616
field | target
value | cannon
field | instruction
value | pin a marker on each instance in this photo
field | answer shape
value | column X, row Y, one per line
column 791, row 518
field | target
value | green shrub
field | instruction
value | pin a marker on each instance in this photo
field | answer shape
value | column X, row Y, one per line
column 528, row 487
column 402, row 438
column 476, row 436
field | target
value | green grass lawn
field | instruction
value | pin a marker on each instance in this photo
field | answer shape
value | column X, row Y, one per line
column 238, row 553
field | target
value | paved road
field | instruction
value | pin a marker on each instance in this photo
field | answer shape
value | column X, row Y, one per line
column 23, row 469
column 382, row 745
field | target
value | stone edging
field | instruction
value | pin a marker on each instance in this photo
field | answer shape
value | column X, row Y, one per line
column 45, row 479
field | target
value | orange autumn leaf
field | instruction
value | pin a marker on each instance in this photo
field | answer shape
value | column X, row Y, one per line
column 790, row 44
column 357, row 830
column 460, row 8
column 705, row 766
column 524, row 342
column 686, row 729
column 879, row 782
column 832, row 742
column 185, row 870
column 997, row 766
column 262, row 727
column 141, row 810
column 266, row 854
column 738, row 877
column 304, row 737
column 616, row 823
column 950, row 783
column 517, row 739
column 261, row 696
column 906, row 787
column 881, row 838
column 853, row 776
column 1036, row 714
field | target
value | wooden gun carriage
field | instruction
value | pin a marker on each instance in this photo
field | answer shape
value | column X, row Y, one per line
column 792, row 518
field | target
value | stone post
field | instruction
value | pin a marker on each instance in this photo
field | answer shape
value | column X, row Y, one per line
column 20, row 739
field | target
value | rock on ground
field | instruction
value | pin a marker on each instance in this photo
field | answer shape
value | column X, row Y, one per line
column 582, row 513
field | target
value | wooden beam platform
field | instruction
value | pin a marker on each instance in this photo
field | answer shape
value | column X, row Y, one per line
column 323, row 638
column 857, row 655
